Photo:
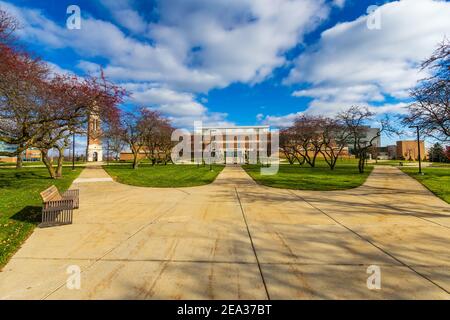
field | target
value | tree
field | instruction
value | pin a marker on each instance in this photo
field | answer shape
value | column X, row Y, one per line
column 437, row 153
column 67, row 104
column 156, row 135
column 40, row 109
column 430, row 109
column 356, row 120
column 20, row 75
column 8, row 25
column 132, row 134
column 165, row 142
column 288, row 144
column 335, row 137
column 307, row 139
column 114, row 136
column 22, row 82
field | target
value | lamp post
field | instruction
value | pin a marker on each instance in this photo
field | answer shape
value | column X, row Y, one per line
column 73, row 151
column 418, row 147
column 107, row 153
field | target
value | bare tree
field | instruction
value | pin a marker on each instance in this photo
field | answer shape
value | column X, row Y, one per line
column 308, row 139
column 430, row 110
column 356, row 120
column 288, row 145
column 133, row 134
column 335, row 137
column 8, row 25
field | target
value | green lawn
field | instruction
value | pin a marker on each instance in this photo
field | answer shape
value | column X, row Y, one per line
column 437, row 180
column 37, row 163
column 344, row 176
column 20, row 204
column 164, row 176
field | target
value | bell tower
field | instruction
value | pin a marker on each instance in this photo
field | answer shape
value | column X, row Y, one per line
column 94, row 151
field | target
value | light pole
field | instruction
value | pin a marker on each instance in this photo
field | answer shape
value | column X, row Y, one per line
column 73, row 151
column 418, row 148
column 107, row 153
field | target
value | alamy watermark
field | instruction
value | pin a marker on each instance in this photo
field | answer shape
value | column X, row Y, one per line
column 374, row 280
column 236, row 145
column 73, row 281
column 373, row 17
column 73, row 22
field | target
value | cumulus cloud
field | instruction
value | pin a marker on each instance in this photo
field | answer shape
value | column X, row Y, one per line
column 352, row 64
column 181, row 107
column 193, row 47
column 168, row 101
column 278, row 121
column 339, row 3
column 124, row 14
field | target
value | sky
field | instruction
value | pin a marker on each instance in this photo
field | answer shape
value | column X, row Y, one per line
column 242, row 62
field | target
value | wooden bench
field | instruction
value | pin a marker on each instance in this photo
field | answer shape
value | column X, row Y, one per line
column 58, row 209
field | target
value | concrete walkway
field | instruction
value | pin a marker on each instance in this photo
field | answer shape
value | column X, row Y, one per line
column 234, row 239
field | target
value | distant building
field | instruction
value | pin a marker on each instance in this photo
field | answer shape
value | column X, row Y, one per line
column 230, row 151
column 392, row 152
column 369, row 135
column 382, row 153
column 408, row 150
column 31, row 154
column 7, row 148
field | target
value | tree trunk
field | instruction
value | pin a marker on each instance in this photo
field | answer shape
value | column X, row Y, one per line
column 313, row 162
column 361, row 163
column 48, row 163
column 333, row 161
column 19, row 163
column 135, row 160
column 60, row 163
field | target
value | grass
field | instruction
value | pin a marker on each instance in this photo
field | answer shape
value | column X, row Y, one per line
column 20, row 204
column 321, row 178
column 164, row 176
column 37, row 163
column 437, row 180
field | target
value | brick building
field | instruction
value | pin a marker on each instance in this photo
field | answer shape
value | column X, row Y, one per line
column 408, row 150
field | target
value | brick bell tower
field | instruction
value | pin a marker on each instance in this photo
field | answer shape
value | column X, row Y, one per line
column 94, row 151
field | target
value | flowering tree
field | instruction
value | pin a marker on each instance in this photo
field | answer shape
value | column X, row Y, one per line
column 68, row 102
column 22, row 82
column 41, row 109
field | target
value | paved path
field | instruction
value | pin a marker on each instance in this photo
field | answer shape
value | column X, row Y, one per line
column 234, row 239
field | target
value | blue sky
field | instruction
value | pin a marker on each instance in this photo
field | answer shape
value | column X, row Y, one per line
column 242, row 62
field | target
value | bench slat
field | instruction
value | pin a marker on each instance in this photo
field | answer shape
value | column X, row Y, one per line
column 50, row 194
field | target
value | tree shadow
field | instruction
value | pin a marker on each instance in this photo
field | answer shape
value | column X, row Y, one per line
column 30, row 214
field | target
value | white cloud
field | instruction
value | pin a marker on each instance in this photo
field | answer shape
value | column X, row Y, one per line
column 180, row 107
column 194, row 46
column 354, row 65
column 169, row 102
column 124, row 14
column 339, row 3
column 54, row 68
column 278, row 121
